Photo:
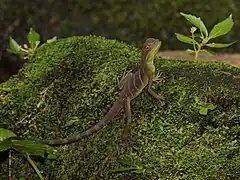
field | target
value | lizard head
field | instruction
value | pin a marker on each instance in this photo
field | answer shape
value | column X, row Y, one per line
column 150, row 49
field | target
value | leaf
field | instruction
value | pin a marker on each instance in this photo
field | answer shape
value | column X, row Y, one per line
column 32, row 38
column 31, row 147
column 211, row 107
column 196, row 22
column 208, row 52
column 190, row 51
column 5, row 133
column 52, row 156
column 203, row 111
column 19, row 52
column 5, row 145
column 184, row 39
column 219, row 45
column 222, row 28
column 193, row 29
column 52, row 39
column 139, row 171
column 71, row 122
column 14, row 46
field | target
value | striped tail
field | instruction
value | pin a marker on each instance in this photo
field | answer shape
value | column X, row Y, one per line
column 117, row 106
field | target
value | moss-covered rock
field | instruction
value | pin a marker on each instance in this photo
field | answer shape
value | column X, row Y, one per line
column 77, row 78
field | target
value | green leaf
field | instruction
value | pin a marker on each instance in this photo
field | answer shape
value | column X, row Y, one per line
column 222, row 28
column 196, row 22
column 208, row 52
column 203, row 111
column 14, row 46
column 52, row 156
column 193, row 29
column 32, row 38
column 15, row 52
column 52, row 39
column 139, row 171
column 71, row 122
column 184, row 39
column 211, row 107
column 5, row 145
column 31, row 147
column 5, row 133
column 219, row 45
column 190, row 51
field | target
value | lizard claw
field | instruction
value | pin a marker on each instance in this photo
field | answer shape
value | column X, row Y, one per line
column 162, row 102
column 158, row 78
column 161, row 99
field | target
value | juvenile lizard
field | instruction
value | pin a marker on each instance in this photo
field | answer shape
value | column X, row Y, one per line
column 132, row 85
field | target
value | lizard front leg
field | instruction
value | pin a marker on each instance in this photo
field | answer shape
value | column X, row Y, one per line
column 155, row 95
column 127, row 129
column 158, row 78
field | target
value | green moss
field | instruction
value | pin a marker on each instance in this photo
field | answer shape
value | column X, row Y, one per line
column 77, row 77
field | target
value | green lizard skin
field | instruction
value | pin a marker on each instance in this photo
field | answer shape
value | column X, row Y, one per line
column 132, row 85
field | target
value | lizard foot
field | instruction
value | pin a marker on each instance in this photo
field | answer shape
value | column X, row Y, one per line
column 128, row 136
column 158, row 78
column 161, row 99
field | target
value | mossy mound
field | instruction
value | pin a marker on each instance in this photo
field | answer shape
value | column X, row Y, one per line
column 77, row 78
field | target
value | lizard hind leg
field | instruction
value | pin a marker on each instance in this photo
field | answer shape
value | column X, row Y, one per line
column 129, row 138
column 127, row 106
column 128, row 113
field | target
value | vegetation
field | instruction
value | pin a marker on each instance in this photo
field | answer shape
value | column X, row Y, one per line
column 122, row 20
column 28, row 51
column 25, row 148
column 66, row 87
column 202, row 40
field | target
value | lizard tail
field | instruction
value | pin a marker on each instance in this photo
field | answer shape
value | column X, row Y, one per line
column 117, row 106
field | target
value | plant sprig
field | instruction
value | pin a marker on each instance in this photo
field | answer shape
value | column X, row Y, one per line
column 204, row 107
column 25, row 148
column 201, row 39
column 33, row 39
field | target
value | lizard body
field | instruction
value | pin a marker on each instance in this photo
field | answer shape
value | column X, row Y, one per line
column 131, row 85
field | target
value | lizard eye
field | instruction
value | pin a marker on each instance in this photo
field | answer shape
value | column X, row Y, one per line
column 147, row 47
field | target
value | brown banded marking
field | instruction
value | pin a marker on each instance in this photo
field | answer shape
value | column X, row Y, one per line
column 134, row 81
column 140, row 76
column 130, row 94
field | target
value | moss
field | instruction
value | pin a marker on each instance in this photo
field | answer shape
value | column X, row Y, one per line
column 77, row 77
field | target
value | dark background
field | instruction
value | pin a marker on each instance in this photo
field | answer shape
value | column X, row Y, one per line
column 125, row 20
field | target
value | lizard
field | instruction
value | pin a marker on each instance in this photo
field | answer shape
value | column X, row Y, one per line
column 131, row 86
